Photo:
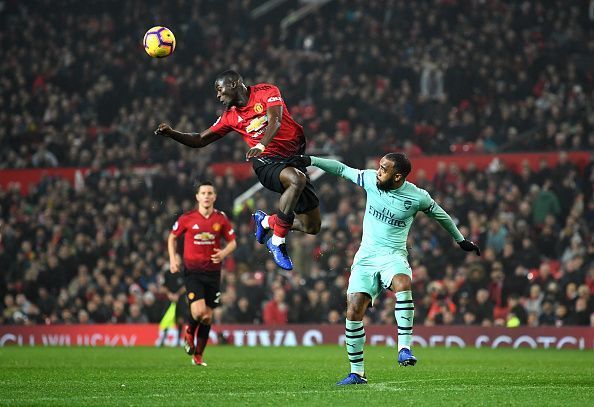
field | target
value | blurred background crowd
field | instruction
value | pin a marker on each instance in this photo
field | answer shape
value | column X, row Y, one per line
column 364, row 78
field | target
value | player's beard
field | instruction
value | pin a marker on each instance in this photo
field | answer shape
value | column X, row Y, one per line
column 386, row 185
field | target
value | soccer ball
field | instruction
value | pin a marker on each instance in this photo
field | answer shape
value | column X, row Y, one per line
column 159, row 42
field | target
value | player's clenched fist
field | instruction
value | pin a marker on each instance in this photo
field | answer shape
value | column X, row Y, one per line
column 218, row 256
column 469, row 246
column 163, row 129
column 255, row 151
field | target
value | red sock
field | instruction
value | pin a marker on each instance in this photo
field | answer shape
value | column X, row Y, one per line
column 271, row 221
column 281, row 227
column 202, row 338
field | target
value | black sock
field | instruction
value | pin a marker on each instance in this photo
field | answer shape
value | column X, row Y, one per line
column 203, row 331
column 192, row 325
column 289, row 219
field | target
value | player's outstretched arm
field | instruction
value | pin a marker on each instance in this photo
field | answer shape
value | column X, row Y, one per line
column 436, row 212
column 332, row 166
column 194, row 140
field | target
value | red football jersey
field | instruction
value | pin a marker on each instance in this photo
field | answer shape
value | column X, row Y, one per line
column 251, row 121
column 203, row 235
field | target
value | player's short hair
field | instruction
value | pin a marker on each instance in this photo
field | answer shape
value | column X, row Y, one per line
column 401, row 163
column 229, row 76
column 203, row 183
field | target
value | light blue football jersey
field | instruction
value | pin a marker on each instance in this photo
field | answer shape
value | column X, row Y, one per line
column 389, row 214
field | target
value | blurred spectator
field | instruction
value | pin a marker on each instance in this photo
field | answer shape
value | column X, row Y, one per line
column 275, row 310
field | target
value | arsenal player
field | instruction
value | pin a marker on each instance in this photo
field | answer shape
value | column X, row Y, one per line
column 260, row 115
column 204, row 228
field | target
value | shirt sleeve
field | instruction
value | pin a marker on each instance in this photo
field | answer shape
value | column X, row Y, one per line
column 433, row 210
column 178, row 227
column 273, row 97
column 359, row 177
column 221, row 126
column 227, row 231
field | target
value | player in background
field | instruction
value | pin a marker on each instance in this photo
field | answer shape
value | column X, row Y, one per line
column 204, row 227
column 260, row 115
column 173, row 287
column 381, row 261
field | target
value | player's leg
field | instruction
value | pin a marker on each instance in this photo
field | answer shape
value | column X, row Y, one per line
column 363, row 287
column 308, row 218
column 308, row 222
column 202, row 336
column 194, row 293
column 212, row 296
column 357, row 304
column 404, row 312
column 396, row 275
column 297, row 196
column 289, row 182
column 200, row 312
column 293, row 182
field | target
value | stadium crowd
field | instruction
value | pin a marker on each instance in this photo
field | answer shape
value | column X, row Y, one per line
column 96, row 252
column 362, row 77
column 423, row 77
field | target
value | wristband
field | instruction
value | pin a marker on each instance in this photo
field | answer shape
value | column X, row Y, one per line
column 260, row 147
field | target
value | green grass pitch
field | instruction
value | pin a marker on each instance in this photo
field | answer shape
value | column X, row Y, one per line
column 293, row 376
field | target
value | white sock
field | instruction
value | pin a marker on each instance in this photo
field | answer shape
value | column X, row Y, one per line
column 403, row 346
column 265, row 222
column 277, row 240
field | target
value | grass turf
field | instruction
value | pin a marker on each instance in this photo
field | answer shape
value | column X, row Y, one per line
column 293, row 376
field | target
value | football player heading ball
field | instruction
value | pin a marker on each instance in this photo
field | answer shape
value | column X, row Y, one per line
column 258, row 112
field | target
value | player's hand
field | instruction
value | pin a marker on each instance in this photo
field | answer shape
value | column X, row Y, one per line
column 255, row 151
column 299, row 161
column 174, row 266
column 218, row 256
column 163, row 129
column 469, row 246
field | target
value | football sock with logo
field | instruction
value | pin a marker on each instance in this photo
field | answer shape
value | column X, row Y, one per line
column 355, row 340
column 282, row 226
column 192, row 325
column 404, row 312
column 202, row 338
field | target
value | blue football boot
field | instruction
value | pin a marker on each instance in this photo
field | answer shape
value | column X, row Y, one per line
column 406, row 358
column 281, row 257
column 261, row 231
column 352, row 378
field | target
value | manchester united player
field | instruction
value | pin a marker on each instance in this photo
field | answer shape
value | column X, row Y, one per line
column 260, row 115
column 204, row 228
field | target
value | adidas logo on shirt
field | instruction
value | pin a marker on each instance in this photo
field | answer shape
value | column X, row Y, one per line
column 195, row 227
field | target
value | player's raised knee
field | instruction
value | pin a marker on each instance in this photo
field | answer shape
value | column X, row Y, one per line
column 297, row 179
